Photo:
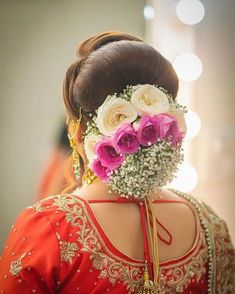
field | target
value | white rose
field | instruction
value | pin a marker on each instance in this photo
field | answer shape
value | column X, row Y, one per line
column 89, row 143
column 180, row 117
column 112, row 113
column 148, row 99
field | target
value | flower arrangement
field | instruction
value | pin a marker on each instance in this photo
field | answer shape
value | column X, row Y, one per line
column 134, row 141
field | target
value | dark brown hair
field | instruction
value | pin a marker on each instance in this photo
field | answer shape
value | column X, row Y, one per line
column 107, row 63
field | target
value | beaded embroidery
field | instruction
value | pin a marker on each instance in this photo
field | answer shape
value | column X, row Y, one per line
column 17, row 265
column 220, row 249
column 67, row 251
column 224, row 263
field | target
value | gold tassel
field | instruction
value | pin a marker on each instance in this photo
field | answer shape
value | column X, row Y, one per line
column 148, row 286
column 153, row 237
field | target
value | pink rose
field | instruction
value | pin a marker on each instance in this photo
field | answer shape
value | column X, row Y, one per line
column 168, row 127
column 147, row 131
column 125, row 139
column 164, row 123
column 100, row 170
column 108, row 154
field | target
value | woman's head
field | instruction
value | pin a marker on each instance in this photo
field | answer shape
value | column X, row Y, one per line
column 130, row 73
column 107, row 63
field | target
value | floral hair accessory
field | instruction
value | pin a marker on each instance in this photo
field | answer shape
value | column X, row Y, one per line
column 134, row 141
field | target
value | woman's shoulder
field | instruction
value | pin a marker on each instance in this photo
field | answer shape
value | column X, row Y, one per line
column 49, row 219
column 205, row 211
column 220, row 246
column 45, row 230
column 56, row 203
column 215, row 227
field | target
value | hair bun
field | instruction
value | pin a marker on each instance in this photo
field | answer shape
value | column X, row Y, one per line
column 108, row 62
column 98, row 40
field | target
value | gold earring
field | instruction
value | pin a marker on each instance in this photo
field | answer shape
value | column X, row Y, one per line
column 88, row 177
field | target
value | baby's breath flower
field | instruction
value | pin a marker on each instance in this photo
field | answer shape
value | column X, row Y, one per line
column 151, row 167
column 147, row 170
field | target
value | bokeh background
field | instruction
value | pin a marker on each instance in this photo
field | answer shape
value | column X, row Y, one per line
column 38, row 41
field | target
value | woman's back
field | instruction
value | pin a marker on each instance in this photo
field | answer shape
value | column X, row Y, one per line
column 122, row 223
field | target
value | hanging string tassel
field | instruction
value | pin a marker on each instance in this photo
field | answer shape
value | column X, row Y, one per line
column 148, row 286
column 151, row 219
column 150, row 283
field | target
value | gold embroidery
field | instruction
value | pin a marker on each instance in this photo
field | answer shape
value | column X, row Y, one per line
column 113, row 270
column 179, row 277
column 67, row 251
column 38, row 207
column 17, row 265
column 173, row 278
column 224, row 252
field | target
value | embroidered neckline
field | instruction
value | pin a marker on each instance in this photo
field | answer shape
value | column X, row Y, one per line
column 173, row 276
column 129, row 260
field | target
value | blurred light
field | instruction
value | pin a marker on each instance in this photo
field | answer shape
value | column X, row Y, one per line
column 186, row 179
column 190, row 11
column 188, row 66
column 149, row 12
column 193, row 123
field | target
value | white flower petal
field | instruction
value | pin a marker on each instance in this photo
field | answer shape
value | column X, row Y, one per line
column 89, row 143
column 148, row 99
column 114, row 112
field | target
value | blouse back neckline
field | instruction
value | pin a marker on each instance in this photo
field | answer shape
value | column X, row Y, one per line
column 119, row 254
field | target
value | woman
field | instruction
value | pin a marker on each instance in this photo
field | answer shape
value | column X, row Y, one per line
column 120, row 232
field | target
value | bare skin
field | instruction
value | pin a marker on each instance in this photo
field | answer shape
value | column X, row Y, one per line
column 121, row 222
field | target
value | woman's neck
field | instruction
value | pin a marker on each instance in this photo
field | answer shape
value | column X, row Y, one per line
column 100, row 190
column 97, row 189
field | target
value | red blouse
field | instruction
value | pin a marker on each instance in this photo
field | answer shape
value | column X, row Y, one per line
column 57, row 246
